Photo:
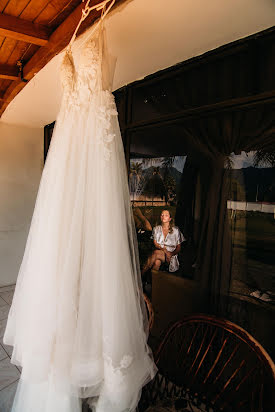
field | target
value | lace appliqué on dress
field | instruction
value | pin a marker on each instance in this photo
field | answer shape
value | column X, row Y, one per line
column 83, row 85
column 117, row 374
column 106, row 110
column 69, row 81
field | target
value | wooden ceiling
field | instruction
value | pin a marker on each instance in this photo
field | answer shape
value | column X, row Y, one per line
column 32, row 32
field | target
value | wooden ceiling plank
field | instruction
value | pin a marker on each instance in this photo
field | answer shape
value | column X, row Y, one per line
column 4, row 84
column 31, row 50
column 1, row 41
column 67, row 7
column 45, row 8
column 3, row 5
column 26, row 6
column 33, row 9
column 17, row 53
column 23, row 30
column 7, row 49
column 10, row 93
column 8, row 72
column 55, row 9
column 15, row 7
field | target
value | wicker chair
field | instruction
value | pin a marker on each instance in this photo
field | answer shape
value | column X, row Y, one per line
column 210, row 364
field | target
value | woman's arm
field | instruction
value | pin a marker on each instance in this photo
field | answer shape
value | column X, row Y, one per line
column 144, row 222
column 177, row 250
column 158, row 246
column 168, row 255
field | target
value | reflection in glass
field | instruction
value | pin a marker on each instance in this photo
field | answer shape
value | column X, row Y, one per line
column 154, row 185
column 155, row 181
column 251, row 212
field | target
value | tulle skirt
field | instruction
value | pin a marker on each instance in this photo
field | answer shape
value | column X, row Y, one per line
column 77, row 323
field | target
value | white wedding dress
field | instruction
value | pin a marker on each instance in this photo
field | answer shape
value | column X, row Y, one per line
column 77, row 322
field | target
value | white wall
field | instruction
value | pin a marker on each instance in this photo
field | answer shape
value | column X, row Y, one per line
column 146, row 36
column 21, row 164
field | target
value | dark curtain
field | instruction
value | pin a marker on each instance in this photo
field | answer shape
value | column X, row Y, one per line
column 185, row 205
column 211, row 141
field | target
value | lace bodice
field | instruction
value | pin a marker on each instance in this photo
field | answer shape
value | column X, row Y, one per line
column 79, row 82
column 83, row 88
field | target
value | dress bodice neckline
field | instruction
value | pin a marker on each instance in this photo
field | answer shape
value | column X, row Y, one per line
column 87, row 67
column 81, row 71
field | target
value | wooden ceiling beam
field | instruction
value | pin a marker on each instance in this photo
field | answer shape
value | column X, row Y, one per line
column 9, row 72
column 23, row 30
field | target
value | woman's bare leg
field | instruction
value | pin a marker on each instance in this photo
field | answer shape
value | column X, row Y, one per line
column 157, row 255
column 157, row 264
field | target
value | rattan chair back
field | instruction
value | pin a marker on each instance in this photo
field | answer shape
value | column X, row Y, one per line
column 212, row 364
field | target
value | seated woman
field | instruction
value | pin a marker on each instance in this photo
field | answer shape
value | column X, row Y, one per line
column 167, row 241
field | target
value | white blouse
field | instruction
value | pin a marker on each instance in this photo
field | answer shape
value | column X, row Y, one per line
column 170, row 242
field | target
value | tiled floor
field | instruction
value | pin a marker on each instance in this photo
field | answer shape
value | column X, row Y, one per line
column 9, row 374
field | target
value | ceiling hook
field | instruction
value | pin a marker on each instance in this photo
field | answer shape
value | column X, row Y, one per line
column 20, row 66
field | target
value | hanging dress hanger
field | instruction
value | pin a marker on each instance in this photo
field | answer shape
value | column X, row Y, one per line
column 85, row 13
